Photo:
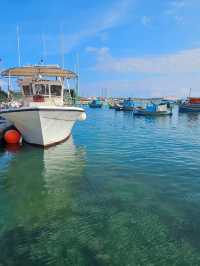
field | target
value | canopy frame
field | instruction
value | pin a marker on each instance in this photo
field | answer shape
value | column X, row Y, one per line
column 33, row 71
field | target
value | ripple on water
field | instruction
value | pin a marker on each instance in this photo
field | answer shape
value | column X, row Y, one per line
column 123, row 190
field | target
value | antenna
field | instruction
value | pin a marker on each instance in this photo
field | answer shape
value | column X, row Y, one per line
column 44, row 48
column 190, row 92
column 62, row 46
column 9, row 85
column 18, row 46
column 77, row 70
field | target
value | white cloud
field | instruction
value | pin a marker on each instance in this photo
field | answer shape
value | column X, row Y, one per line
column 185, row 61
column 145, row 20
column 103, row 51
column 171, row 85
column 175, row 11
column 115, row 15
column 175, row 6
column 97, row 26
column 179, row 19
column 103, row 36
column 164, row 75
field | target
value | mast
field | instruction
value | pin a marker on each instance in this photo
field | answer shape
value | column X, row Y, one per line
column 62, row 47
column 18, row 47
column 77, row 70
column 9, row 85
column 190, row 92
column 44, row 48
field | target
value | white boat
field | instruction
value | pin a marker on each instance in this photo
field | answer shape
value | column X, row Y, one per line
column 41, row 116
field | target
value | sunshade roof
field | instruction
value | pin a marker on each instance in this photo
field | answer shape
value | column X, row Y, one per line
column 30, row 71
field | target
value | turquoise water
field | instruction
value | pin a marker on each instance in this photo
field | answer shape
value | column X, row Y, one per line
column 122, row 190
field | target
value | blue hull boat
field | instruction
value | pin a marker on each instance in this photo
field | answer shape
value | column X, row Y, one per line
column 95, row 104
column 188, row 108
column 157, row 113
column 128, row 105
column 153, row 110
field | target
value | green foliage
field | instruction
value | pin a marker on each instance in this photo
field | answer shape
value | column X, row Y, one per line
column 3, row 95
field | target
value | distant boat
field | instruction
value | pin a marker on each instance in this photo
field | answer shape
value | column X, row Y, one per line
column 190, row 105
column 95, row 104
column 169, row 103
column 119, row 107
column 111, row 105
column 153, row 110
column 128, row 105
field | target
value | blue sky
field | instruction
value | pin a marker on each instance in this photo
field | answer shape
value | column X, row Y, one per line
column 131, row 47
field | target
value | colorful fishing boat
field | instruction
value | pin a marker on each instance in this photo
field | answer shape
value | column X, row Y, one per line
column 119, row 107
column 96, row 103
column 153, row 109
column 111, row 105
column 192, row 104
column 128, row 105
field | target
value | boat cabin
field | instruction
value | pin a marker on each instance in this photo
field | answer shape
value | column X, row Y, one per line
column 42, row 91
column 42, row 85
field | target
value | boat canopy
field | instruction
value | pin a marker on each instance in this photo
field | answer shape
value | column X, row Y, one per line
column 30, row 71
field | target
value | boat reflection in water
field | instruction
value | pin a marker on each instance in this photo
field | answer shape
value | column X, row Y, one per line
column 39, row 190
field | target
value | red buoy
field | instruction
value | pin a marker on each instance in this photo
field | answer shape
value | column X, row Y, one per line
column 12, row 136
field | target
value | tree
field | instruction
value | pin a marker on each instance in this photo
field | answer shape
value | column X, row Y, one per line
column 3, row 95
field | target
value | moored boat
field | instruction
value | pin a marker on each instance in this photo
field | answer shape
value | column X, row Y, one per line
column 128, row 105
column 111, row 105
column 95, row 104
column 119, row 107
column 42, row 116
column 192, row 104
column 153, row 109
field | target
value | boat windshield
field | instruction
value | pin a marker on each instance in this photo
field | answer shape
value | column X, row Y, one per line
column 39, row 89
column 42, row 89
column 27, row 90
column 56, row 90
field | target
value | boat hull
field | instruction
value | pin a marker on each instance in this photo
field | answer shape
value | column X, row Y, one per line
column 44, row 126
column 119, row 108
column 128, row 109
column 157, row 113
column 189, row 108
column 95, row 105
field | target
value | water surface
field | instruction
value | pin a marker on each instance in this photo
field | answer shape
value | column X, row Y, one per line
column 122, row 190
